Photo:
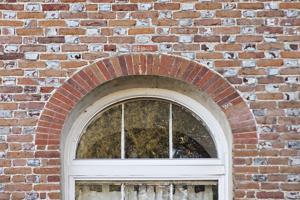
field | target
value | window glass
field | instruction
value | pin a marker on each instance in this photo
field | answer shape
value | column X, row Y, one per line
column 146, row 190
column 191, row 139
column 146, row 129
column 92, row 190
column 102, row 137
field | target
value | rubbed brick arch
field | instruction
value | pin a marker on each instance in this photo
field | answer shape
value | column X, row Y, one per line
column 73, row 90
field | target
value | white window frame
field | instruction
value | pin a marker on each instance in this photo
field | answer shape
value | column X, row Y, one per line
column 203, row 169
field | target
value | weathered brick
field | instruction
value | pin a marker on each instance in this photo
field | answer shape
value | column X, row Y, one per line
column 250, row 6
column 124, row 7
column 55, row 7
column 254, row 45
column 166, row 6
column 199, row 38
column 52, row 39
column 289, row 5
column 18, row 187
column 144, row 48
column 208, row 6
column 12, row 7
column 186, row 14
column 164, row 38
column 135, row 31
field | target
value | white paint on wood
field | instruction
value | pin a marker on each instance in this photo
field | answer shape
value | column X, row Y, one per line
column 154, row 169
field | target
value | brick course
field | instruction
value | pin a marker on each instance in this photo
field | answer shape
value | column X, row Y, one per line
column 244, row 55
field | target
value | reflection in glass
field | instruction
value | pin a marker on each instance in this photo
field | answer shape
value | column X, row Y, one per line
column 191, row 139
column 102, row 137
column 146, row 129
column 145, row 125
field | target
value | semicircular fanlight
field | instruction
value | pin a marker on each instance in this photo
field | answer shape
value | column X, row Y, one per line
column 147, row 128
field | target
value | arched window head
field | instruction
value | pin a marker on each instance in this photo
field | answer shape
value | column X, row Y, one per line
column 146, row 143
column 146, row 128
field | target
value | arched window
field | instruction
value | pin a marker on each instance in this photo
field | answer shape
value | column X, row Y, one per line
column 146, row 144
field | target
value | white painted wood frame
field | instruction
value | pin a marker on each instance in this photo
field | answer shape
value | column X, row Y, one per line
column 147, row 169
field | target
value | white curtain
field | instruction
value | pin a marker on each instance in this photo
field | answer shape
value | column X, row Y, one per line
column 146, row 192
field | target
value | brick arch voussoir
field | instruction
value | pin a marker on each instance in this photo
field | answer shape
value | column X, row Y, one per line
column 76, row 87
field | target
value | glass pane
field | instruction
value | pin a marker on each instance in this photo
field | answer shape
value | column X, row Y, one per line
column 102, row 137
column 191, row 138
column 91, row 190
column 194, row 191
column 146, row 129
column 147, row 191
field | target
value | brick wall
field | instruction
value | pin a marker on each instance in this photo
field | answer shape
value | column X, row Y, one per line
column 255, row 46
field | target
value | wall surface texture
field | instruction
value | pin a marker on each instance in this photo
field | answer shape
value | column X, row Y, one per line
column 53, row 52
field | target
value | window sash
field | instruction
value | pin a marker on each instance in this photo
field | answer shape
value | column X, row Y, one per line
column 203, row 180
column 105, row 102
column 170, row 131
column 165, row 186
column 147, row 168
column 219, row 168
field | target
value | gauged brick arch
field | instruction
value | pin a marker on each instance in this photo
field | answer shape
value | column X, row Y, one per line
column 72, row 91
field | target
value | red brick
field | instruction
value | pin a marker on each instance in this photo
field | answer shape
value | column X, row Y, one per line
column 11, row 23
column 272, row 13
column 165, row 22
column 10, row 40
column 228, row 13
column 168, row 38
column 100, row 15
column 18, row 170
column 246, row 21
column 54, row 195
column 200, row 38
column 207, row 22
column 46, row 187
column 11, row 6
column 186, row 14
column 72, row 31
column 249, row 38
column 270, row 195
column 11, row 56
column 136, row 31
column 30, row 15
column 55, row 7
column 289, row 5
column 124, row 7
column 18, row 178
column 121, row 22
column 253, row 6
column 52, row 39
column 166, row 6
column 31, row 95
column 18, row 187
column 122, row 39
column 144, row 15
column 45, row 170
column 208, row 6
column 18, row 195
column 144, row 48
column 80, row 15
